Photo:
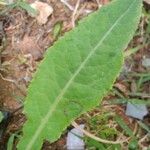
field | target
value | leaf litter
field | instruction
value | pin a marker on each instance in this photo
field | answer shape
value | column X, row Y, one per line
column 26, row 44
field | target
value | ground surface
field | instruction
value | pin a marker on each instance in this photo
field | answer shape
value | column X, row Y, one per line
column 22, row 45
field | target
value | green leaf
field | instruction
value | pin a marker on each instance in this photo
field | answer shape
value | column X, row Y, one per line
column 1, row 116
column 27, row 7
column 133, row 145
column 57, row 29
column 78, row 71
column 10, row 142
column 144, row 126
column 92, row 144
column 123, row 125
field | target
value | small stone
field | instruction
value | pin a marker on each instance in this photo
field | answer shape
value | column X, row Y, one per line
column 74, row 139
column 136, row 110
column 146, row 62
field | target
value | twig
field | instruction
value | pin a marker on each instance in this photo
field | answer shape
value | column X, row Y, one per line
column 143, row 139
column 74, row 13
column 95, row 137
column 141, row 95
column 5, row 79
column 13, row 81
column 98, row 3
column 67, row 4
column 135, row 128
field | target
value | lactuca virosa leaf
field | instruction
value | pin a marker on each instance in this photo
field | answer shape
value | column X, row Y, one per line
column 78, row 71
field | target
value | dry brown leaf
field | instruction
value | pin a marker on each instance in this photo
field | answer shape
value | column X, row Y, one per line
column 44, row 10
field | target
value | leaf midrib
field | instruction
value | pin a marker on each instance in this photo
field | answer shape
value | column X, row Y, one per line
column 63, row 91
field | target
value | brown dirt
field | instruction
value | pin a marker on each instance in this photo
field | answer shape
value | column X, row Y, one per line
column 26, row 42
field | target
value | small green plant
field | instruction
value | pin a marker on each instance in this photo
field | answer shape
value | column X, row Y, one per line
column 99, row 126
column 1, row 116
column 78, row 71
column 24, row 5
column 19, row 4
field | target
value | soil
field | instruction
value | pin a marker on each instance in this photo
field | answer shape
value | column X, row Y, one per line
column 23, row 43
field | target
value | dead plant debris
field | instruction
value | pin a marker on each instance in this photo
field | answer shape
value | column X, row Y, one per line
column 23, row 43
